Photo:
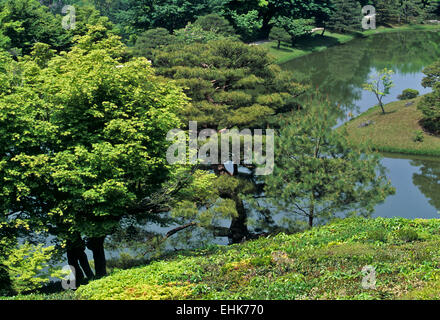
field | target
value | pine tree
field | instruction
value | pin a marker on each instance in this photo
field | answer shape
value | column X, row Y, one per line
column 280, row 35
column 318, row 174
column 347, row 16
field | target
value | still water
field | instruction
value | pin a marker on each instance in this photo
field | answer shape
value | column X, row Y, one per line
column 339, row 73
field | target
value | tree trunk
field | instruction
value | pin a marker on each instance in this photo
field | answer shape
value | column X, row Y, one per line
column 279, row 44
column 383, row 109
column 266, row 26
column 311, row 221
column 312, row 212
column 84, row 263
column 238, row 230
column 77, row 258
column 97, row 247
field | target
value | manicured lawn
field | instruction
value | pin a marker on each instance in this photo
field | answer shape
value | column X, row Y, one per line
column 316, row 42
column 395, row 131
column 305, row 46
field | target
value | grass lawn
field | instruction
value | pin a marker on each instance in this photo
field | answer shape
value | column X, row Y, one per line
column 395, row 131
column 317, row 42
column 323, row 263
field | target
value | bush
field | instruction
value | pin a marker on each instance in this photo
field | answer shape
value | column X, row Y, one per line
column 431, row 112
column 407, row 235
column 280, row 35
column 26, row 267
column 377, row 235
column 408, row 94
column 419, row 137
column 429, row 105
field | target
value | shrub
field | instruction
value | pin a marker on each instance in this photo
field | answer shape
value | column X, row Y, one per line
column 408, row 94
column 419, row 137
column 377, row 235
column 429, row 104
column 280, row 35
column 431, row 112
column 407, row 235
column 26, row 267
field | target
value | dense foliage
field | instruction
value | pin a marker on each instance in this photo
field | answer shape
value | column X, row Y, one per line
column 84, row 117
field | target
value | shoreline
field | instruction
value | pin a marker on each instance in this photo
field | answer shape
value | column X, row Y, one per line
column 394, row 132
column 318, row 43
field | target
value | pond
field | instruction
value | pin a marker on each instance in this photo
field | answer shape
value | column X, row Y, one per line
column 339, row 72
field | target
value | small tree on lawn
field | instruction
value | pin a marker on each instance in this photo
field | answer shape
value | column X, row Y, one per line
column 296, row 28
column 280, row 35
column 380, row 84
column 317, row 174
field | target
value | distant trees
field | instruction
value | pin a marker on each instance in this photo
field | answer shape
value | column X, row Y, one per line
column 346, row 16
column 206, row 28
column 152, row 39
column 24, row 22
column 216, row 23
column 317, row 174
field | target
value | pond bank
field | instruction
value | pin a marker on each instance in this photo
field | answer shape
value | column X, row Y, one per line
column 317, row 42
column 395, row 131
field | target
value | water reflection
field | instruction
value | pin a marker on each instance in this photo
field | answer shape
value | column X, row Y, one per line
column 428, row 180
column 339, row 73
column 417, row 182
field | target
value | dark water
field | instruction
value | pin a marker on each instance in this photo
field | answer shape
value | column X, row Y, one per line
column 339, row 73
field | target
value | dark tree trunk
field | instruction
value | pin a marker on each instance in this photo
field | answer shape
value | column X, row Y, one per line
column 84, row 262
column 311, row 214
column 97, row 247
column 238, row 230
column 279, row 44
column 311, row 221
column 266, row 27
column 72, row 260
column 77, row 258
